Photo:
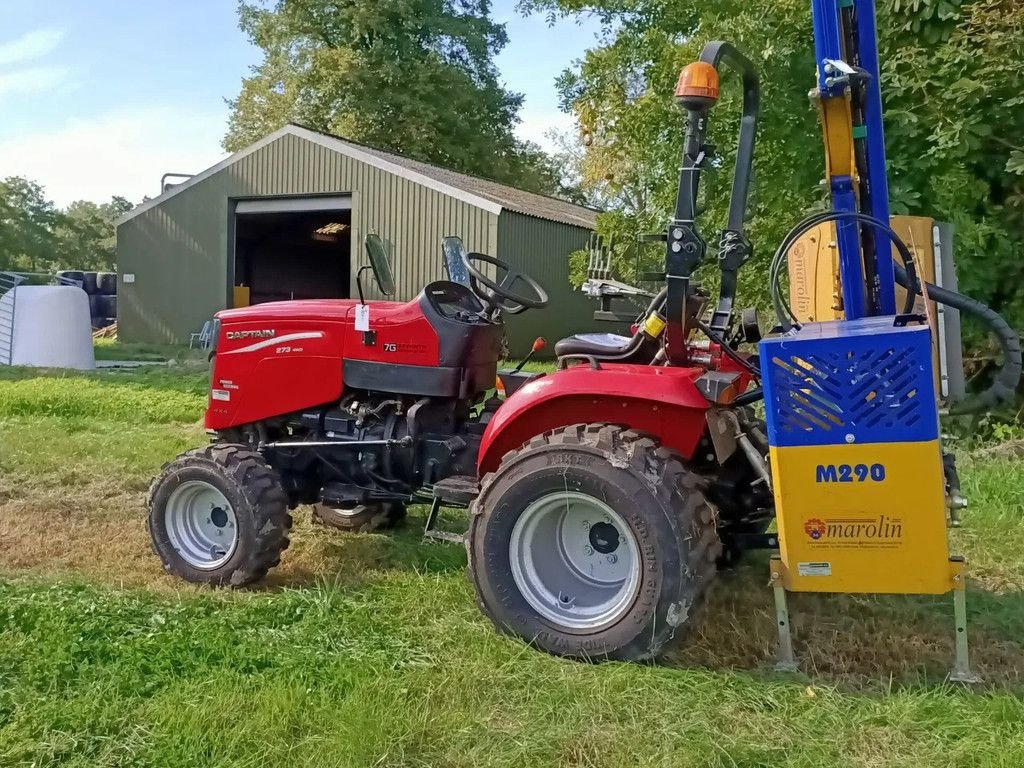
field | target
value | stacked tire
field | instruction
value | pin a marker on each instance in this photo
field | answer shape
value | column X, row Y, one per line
column 102, row 290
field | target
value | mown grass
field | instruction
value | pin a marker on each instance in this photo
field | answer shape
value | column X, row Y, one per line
column 111, row 349
column 369, row 650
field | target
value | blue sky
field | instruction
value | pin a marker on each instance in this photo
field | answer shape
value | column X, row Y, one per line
column 100, row 97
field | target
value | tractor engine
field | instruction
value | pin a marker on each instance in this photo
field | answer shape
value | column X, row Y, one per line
column 372, row 447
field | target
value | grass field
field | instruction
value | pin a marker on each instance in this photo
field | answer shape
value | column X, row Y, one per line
column 369, row 650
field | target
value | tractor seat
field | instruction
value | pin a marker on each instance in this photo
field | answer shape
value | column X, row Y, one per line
column 600, row 345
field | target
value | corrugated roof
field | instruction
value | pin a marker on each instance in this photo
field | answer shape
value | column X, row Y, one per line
column 521, row 201
column 477, row 191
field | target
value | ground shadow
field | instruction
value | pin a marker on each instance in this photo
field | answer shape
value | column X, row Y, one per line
column 356, row 559
column 857, row 641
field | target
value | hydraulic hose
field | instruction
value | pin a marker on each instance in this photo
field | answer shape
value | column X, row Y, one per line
column 782, row 309
column 1006, row 380
column 1004, row 385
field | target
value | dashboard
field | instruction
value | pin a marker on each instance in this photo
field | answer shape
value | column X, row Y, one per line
column 455, row 302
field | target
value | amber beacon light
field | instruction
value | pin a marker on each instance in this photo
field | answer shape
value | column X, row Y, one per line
column 698, row 85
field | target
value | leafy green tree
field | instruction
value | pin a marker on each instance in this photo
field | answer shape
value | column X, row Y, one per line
column 27, row 242
column 415, row 77
column 86, row 233
column 951, row 79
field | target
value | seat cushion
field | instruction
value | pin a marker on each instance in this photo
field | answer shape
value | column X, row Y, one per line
column 592, row 344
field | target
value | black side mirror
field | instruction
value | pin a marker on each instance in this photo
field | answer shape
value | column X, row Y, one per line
column 380, row 265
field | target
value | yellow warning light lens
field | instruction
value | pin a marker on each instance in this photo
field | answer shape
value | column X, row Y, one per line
column 654, row 325
column 499, row 386
column 698, row 80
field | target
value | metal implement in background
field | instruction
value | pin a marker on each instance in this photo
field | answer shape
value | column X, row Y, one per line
column 8, row 296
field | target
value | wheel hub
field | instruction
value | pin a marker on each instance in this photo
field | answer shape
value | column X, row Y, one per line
column 201, row 524
column 604, row 538
column 575, row 560
column 219, row 517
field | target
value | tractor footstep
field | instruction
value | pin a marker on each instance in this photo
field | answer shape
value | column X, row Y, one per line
column 455, row 491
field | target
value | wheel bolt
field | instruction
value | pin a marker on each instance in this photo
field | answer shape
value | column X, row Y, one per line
column 586, row 524
column 613, row 558
column 588, row 550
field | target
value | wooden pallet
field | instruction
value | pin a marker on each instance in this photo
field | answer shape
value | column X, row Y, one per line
column 109, row 332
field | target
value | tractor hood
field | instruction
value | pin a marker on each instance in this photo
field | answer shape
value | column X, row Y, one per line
column 304, row 309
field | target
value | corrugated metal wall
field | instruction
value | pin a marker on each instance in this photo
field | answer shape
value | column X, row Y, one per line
column 179, row 251
column 541, row 248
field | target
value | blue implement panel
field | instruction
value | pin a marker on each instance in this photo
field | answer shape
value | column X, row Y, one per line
column 857, row 381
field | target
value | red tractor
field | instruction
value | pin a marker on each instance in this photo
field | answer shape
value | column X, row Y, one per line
column 601, row 496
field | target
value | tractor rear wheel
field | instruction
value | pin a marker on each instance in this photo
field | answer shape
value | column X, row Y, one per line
column 593, row 542
column 360, row 518
column 218, row 515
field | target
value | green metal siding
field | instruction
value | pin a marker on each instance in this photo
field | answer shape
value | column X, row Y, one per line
column 179, row 249
column 541, row 248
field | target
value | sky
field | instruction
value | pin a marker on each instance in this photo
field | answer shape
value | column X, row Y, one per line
column 102, row 97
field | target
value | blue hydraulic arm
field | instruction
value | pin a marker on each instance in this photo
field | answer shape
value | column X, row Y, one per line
column 850, row 101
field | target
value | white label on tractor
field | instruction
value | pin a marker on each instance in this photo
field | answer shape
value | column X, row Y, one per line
column 814, row 569
column 129, row 277
column 362, row 317
column 220, row 394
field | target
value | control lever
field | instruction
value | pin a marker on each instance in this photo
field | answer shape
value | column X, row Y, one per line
column 538, row 344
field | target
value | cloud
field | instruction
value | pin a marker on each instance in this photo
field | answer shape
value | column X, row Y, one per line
column 31, row 45
column 536, row 124
column 32, row 80
column 124, row 152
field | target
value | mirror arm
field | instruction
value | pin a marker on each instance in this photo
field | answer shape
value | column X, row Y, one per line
column 359, row 281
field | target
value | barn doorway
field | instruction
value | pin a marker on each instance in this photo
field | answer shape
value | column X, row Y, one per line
column 292, row 248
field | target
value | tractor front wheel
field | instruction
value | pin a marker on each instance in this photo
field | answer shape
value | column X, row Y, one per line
column 593, row 542
column 218, row 515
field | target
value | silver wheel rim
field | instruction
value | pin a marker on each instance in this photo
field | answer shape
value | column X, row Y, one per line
column 575, row 560
column 201, row 525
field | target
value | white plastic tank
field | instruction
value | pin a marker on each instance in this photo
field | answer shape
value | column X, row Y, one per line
column 52, row 327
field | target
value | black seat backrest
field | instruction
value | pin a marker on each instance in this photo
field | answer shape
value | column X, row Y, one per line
column 452, row 249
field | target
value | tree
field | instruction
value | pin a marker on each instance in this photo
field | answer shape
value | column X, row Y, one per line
column 951, row 75
column 86, row 233
column 415, row 77
column 27, row 242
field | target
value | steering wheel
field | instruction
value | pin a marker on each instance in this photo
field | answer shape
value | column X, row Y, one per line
column 500, row 294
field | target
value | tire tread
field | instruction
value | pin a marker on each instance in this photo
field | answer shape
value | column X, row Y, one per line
column 667, row 478
column 261, row 487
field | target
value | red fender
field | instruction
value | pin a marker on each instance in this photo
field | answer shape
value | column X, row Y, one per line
column 660, row 400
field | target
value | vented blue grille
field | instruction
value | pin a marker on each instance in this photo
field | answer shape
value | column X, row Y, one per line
column 862, row 381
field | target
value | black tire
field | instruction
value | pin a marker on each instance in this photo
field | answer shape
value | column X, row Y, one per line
column 360, row 518
column 260, row 506
column 106, row 283
column 96, row 308
column 89, row 283
column 106, row 305
column 648, row 486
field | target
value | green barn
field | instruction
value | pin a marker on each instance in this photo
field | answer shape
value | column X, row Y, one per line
column 287, row 217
